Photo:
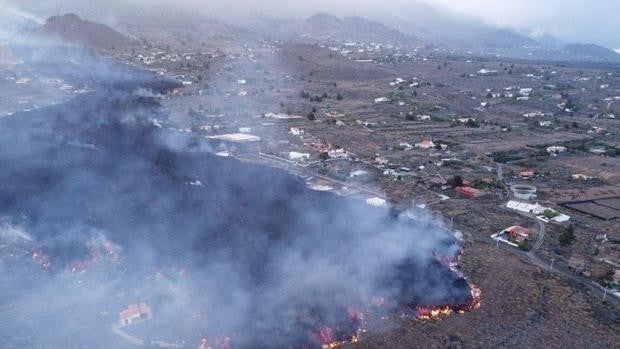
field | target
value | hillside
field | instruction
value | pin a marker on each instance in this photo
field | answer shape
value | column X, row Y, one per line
column 70, row 28
column 326, row 27
column 593, row 51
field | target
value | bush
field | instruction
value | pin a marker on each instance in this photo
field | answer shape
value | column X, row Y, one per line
column 525, row 245
column 549, row 214
column 455, row 181
column 567, row 237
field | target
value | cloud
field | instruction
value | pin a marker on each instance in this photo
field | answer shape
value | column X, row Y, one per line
column 569, row 20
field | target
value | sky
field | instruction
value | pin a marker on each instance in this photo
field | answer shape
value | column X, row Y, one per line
column 593, row 21
column 588, row 21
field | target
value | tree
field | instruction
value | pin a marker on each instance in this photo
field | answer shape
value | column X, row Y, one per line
column 339, row 97
column 472, row 123
column 455, row 181
column 567, row 237
column 311, row 117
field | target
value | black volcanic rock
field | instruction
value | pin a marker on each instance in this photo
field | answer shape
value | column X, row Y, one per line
column 70, row 28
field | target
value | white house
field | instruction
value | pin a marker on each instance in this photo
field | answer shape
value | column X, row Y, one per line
column 556, row 149
column 425, row 144
column 296, row 131
column 376, row 201
column 424, row 117
column 293, row 155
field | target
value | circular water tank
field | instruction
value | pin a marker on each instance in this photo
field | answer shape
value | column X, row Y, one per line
column 523, row 191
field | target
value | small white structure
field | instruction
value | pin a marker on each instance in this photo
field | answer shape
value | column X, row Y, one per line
column 358, row 173
column 282, row 116
column 466, row 120
column 425, row 144
column 424, row 117
column 486, row 72
column 381, row 100
column 556, row 149
column 293, row 155
column 338, row 153
column 245, row 129
column 376, row 201
column 525, row 207
column 545, row 123
column 236, row 137
column 296, row 131
column 319, row 187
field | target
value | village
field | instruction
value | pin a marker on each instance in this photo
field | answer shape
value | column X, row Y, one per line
column 520, row 157
column 456, row 135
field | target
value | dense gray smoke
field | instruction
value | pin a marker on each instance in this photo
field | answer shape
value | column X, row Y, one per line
column 98, row 211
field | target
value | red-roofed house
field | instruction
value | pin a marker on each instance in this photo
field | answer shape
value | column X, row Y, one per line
column 468, row 191
column 526, row 174
column 518, row 233
column 134, row 313
column 616, row 277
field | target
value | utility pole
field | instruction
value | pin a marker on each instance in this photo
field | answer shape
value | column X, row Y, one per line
column 605, row 293
column 552, row 260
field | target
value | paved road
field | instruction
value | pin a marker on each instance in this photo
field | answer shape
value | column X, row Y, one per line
column 541, row 236
column 500, row 171
column 532, row 258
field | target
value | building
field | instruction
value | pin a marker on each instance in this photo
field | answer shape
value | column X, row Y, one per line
column 381, row 100
column 518, row 233
column 556, row 149
column 296, row 131
column 425, row 144
column 134, row 313
column 376, row 201
column 295, row 156
column 486, row 72
column 525, row 207
column 468, row 192
column 358, row 173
